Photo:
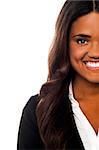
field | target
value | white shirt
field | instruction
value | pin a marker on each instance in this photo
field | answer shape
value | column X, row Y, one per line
column 89, row 138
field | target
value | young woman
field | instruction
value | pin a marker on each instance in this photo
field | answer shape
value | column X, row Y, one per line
column 65, row 113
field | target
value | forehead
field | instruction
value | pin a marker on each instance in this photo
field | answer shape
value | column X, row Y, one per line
column 88, row 24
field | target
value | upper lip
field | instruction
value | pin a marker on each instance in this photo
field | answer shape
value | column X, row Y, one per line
column 91, row 61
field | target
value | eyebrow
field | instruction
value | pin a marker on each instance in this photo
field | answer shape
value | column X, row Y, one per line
column 82, row 35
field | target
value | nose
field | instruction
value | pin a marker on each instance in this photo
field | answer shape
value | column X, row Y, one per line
column 94, row 51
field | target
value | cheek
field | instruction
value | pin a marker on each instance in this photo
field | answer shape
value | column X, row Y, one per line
column 76, row 53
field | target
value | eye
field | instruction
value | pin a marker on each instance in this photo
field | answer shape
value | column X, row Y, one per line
column 81, row 41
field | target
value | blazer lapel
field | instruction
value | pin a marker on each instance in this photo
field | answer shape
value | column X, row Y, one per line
column 74, row 141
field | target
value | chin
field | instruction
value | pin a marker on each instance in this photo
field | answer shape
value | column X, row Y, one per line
column 93, row 80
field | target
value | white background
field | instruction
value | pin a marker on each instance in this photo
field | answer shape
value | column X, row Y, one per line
column 26, row 32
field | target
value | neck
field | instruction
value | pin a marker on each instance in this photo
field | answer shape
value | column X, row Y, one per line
column 84, row 89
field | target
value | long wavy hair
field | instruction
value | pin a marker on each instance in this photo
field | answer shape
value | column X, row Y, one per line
column 51, row 111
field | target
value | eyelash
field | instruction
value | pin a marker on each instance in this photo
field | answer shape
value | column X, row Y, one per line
column 77, row 40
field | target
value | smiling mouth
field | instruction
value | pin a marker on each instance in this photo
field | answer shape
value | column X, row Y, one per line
column 92, row 65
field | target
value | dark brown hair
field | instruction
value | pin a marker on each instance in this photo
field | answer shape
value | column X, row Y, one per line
column 51, row 111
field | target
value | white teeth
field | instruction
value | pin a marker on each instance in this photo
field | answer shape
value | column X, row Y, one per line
column 92, row 64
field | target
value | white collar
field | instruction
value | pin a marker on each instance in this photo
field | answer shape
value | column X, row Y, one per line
column 89, row 138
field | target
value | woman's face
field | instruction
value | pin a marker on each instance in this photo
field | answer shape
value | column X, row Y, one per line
column 84, row 47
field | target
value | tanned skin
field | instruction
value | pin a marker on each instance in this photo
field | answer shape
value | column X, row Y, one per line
column 84, row 47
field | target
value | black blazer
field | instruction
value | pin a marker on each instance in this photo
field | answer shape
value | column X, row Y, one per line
column 29, row 137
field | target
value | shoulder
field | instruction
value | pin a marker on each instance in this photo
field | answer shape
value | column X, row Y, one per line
column 28, row 135
column 29, row 110
column 31, row 103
